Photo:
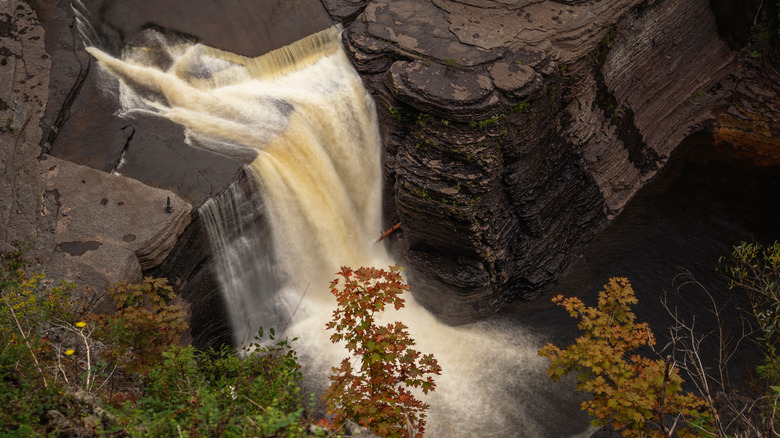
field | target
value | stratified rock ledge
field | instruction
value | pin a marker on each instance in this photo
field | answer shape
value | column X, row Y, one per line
column 516, row 130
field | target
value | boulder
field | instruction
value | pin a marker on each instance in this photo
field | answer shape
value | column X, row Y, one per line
column 344, row 11
column 444, row 91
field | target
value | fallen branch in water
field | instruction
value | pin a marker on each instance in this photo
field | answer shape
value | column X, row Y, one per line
column 388, row 232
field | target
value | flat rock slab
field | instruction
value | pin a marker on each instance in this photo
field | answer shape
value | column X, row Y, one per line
column 421, row 28
column 459, row 95
column 96, row 209
column 477, row 32
column 572, row 28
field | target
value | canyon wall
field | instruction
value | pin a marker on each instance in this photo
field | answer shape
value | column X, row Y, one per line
column 515, row 130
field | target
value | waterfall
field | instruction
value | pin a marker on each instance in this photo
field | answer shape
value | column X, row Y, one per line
column 301, row 120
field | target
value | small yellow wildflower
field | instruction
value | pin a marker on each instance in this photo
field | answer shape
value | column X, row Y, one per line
column 81, row 324
column 69, row 352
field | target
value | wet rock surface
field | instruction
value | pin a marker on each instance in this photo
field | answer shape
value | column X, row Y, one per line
column 516, row 130
column 246, row 27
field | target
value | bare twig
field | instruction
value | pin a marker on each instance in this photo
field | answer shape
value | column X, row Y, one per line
column 687, row 342
column 388, row 232
column 59, row 366
column 755, row 20
column 85, row 338
column 253, row 402
column 89, row 379
column 26, row 342
column 107, row 378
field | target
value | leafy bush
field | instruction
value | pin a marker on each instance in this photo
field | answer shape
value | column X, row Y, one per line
column 52, row 366
column 146, row 322
column 217, row 393
column 755, row 269
column 377, row 394
column 33, row 397
column 638, row 396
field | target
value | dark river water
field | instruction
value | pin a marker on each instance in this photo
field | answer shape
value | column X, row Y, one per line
column 705, row 201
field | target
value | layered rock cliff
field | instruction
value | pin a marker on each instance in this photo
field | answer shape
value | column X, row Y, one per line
column 514, row 130
column 517, row 130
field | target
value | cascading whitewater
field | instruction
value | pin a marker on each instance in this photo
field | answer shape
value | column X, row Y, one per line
column 302, row 117
column 302, row 121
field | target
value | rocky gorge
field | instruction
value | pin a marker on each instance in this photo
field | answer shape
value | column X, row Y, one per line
column 515, row 131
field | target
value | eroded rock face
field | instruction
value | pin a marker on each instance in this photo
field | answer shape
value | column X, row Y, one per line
column 86, row 226
column 24, row 83
column 516, row 130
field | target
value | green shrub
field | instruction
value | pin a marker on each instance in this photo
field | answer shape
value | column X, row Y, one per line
column 51, row 366
column 217, row 393
column 755, row 269
column 31, row 390
column 146, row 322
